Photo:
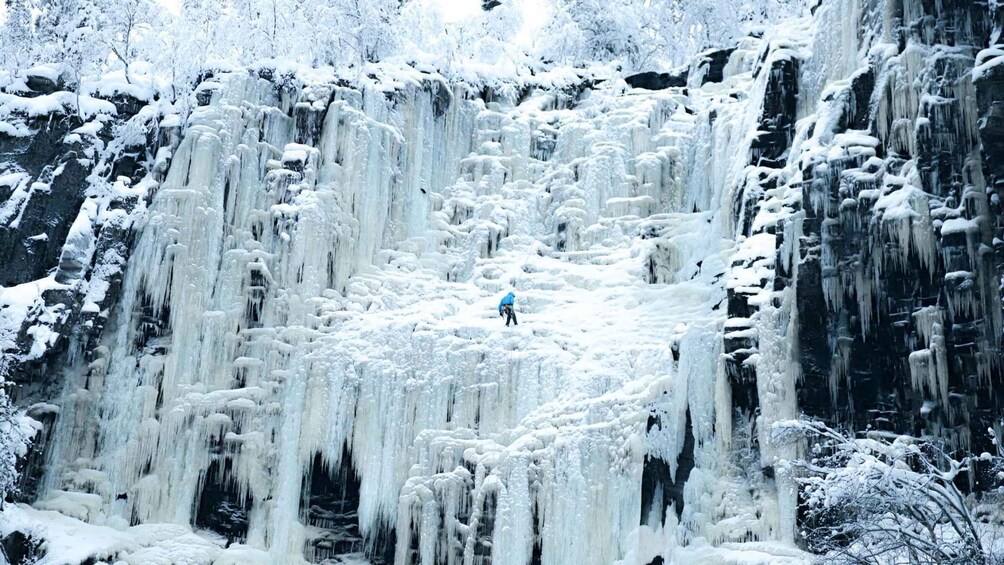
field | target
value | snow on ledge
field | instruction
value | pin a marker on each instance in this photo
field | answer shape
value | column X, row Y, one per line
column 62, row 102
column 986, row 60
column 68, row 540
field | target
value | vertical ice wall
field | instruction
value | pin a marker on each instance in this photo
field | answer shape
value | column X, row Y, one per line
column 302, row 361
column 216, row 232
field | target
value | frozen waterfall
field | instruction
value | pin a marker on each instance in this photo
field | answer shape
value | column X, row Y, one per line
column 316, row 307
column 306, row 363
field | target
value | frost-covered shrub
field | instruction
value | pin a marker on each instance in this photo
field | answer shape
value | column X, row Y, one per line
column 15, row 436
column 883, row 498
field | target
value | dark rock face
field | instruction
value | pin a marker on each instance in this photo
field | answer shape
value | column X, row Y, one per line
column 897, row 317
column 51, row 206
column 777, row 122
column 768, row 154
column 898, row 294
column 990, row 105
column 484, row 528
column 856, row 110
column 309, row 121
column 330, row 506
column 892, row 254
column 657, row 81
column 32, row 467
column 714, row 62
column 442, row 97
column 40, row 84
column 21, row 549
column 221, row 507
column 660, row 487
column 56, row 232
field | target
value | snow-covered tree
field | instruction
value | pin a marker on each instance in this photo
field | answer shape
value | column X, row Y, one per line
column 179, row 58
column 597, row 30
column 640, row 34
column 697, row 25
column 182, row 53
column 368, row 27
column 251, row 30
column 883, row 498
column 18, row 40
column 315, row 20
column 422, row 30
column 561, row 41
column 54, row 23
column 497, row 28
column 82, row 51
column 120, row 26
column 15, row 437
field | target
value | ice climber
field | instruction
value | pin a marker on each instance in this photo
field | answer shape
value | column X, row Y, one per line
column 505, row 309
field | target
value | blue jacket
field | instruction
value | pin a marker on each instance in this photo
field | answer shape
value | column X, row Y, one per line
column 507, row 299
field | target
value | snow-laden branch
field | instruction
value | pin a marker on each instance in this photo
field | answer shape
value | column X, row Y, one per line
column 882, row 498
column 16, row 431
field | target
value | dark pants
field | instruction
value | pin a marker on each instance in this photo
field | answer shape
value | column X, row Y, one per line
column 510, row 315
